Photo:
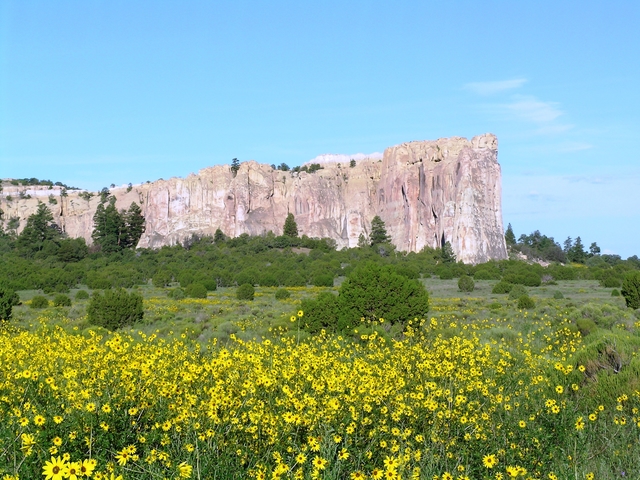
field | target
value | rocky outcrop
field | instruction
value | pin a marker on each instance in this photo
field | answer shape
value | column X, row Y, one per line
column 426, row 193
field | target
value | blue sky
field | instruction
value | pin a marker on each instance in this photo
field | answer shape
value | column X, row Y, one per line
column 101, row 92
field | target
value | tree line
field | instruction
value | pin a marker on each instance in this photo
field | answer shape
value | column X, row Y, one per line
column 539, row 246
column 42, row 257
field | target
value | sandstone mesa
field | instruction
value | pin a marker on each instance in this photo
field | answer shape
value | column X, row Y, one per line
column 426, row 192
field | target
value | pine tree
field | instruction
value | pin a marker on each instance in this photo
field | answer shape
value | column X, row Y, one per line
column 509, row 236
column 104, row 195
column 134, row 226
column 362, row 241
column 107, row 227
column 290, row 226
column 12, row 226
column 114, row 230
column 378, row 232
column 235, row 166
column 218, row 236
column 447, row 254
column 39, row 229
column 576, row 252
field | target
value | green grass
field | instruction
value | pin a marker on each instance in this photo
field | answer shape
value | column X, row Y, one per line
column 222, row 315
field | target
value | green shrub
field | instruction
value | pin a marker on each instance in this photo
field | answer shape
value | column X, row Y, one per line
column 82, row 295
column 185, row 278
column 482, row 275
column 608, row 278
column 61, row 288
column 209, row 282
column 162, row 279
column 407, row 270
column 611, row 282
column 115, row 276
column 502, row 287
column 586, row 326
column 97, row 281
column 460, row 269
column 631, row 289
column 487, row 273
column 196, row 290
column 517, row 291
column 530, row 279
column 466, row 284
column 558, row 295
column 604, row 315
column 445, row 273
column 513, row 278
column 611, row 365
column 294, row 280
column 115, row 309
column 615, row 292
column 268, row 279
column 245, row 291
column 8, row 299
column 39, row 302
column 525, row 302
column 246, row 276
column 282, row 294
column 319, row 313
column 559, row 272
column 178, row 293
column 61, row 300
column 373, row 291
column 495, row 305
column 323, row 280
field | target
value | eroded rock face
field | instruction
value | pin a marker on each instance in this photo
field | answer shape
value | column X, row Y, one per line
column 446, row 190
column 426, row 193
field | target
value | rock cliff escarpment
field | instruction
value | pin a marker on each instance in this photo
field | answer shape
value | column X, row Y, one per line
column 427, row 193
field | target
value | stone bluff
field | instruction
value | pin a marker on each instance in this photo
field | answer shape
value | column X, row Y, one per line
column 426, row 192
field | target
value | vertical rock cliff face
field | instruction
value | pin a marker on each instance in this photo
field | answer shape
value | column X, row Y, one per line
column 427, row 193
column 445, row 190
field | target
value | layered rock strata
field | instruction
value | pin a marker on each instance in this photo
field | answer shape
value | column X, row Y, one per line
column 426, row 192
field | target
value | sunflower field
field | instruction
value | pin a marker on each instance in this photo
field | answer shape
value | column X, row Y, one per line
column 524, row 395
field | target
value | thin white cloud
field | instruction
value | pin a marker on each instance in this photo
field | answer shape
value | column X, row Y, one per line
column 545, row 116
column 530, row 108
column 491, row 88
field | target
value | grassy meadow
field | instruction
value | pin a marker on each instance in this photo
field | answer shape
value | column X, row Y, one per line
column 221, row 388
